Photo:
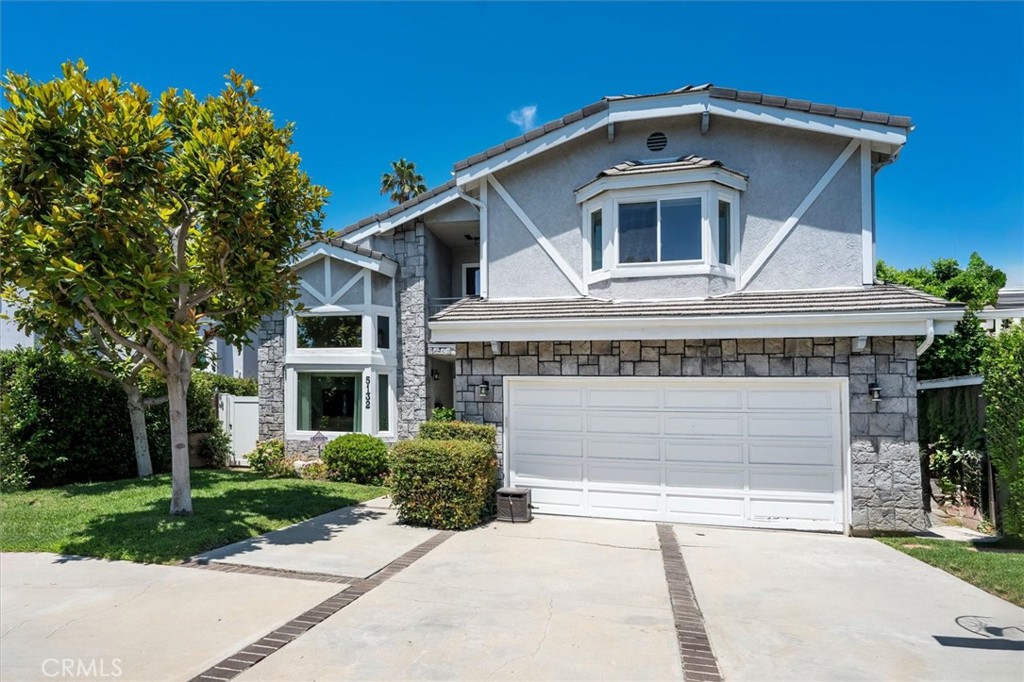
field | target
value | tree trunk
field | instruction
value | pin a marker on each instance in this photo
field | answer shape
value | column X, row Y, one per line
column 137, row 413
column 177, row 389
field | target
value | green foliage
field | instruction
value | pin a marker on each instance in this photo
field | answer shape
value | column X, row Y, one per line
column 958, row 471
column 356, row 458
column 977, row 285
column 403, row 182
column 60, row 423
column 215, row 448
column 442, row 414
column 1003, row 367
column 455, row 430
column 269, row 459
column 955, row 354
column 314, row 471
column 446, row 484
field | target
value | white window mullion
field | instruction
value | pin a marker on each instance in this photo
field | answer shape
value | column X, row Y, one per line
column 657, row 229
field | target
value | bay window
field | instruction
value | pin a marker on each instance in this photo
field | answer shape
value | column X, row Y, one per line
column 329, row 401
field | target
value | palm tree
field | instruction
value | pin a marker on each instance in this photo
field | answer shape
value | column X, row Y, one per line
column 403, row 182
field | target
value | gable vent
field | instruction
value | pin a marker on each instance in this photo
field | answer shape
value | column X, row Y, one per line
column 656, row 142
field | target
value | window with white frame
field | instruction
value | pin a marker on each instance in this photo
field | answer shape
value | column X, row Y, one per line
column 665, row 229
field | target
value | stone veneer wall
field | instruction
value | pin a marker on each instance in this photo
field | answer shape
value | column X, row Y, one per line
column 411, row 294
column 886, row 476
column 270, row 375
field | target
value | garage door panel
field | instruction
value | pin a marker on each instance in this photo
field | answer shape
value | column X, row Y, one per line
column 550, row 469
column 619, row 398
column 633, row 423
column 821, row 453
column 711, row 507
column 793, row 425
column 548, row 396
column 549, row 421
column 554, row 446
column 705, row 478
column 699, row 451
column 697, row 424
column 781, row 510
column 624, row 475
column 623, row 501
column 793, row 481
column 760, row 452
column 620, row 448
column 707, row 399
column 793, row 398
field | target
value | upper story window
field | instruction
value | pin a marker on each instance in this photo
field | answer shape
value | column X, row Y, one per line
column 664, row 218
column 334, row 331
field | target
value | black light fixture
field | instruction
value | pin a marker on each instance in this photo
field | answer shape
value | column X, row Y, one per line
column 875, row 392
column 435, row 375
column 483, row 390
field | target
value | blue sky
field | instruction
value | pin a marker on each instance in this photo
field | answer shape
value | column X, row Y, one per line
column 367, row 83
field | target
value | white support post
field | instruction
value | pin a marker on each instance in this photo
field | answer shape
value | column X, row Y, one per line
column 867, row 232
column 483, row 240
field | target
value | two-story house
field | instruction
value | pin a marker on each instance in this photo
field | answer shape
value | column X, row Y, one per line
column 665, row 303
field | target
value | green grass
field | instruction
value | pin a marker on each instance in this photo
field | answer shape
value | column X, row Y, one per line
column 997, row 567
column 129, row 519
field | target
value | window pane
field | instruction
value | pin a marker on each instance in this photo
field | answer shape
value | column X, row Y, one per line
column 336, row 331
column 383, row 404
column 383, row 331
column 724, row 233
column 638, row 232
column 680, row 230
column 471, row 286
column 596, row 243
column 329, row 402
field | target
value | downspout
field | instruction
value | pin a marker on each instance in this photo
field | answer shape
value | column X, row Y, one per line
column 929, row 338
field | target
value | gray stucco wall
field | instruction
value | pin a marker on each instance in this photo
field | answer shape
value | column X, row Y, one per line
column 439, row 267
column 886, row 470
column 783, row 165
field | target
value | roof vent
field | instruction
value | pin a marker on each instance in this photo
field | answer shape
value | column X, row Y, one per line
column 657, row 141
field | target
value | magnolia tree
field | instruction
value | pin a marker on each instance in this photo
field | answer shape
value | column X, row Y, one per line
column 152, row 226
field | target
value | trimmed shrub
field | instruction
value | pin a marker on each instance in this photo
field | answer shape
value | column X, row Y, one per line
column 454, row 430
column 216, row 447
column 445, row 484
column 1003, row 367
column 442, row 414
column 313, row 471
column 356, row 458
column 268, row 458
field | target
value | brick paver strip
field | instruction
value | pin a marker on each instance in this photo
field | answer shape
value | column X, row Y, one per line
column 699, row 662
column 239, row 662
column 246, row 569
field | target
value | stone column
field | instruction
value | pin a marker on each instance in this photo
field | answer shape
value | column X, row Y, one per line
column 270, row 376
column 411, row 254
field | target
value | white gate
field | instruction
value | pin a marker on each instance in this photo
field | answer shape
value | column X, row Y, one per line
column 240, row 416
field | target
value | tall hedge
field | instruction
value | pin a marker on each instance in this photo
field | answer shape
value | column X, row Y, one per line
column 1003, row 368
column 456, row 430
column 60, row 423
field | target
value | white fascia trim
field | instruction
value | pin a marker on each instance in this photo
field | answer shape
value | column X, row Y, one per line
column 788, row 118
column 682, row 104
column 906, row 323
column 951, row 382
column 411, row 213
column 643, row 180
column 322, row 250
column 665, row 269
column 1000, row 314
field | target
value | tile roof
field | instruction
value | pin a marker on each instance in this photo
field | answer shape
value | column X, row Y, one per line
column 744, row 96
column 691, row 162
column 361, row 250
column 601, row 105
column 873, row 298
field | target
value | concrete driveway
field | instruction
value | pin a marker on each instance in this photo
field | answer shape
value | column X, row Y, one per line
column 806, row 606
column 353, row 596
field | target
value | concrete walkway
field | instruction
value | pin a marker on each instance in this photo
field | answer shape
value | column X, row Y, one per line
column 133, row 621
column 354, row 541
column 557, row 599
column 805, row 606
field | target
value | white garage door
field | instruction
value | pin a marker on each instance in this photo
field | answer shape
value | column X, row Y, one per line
column 736, row 452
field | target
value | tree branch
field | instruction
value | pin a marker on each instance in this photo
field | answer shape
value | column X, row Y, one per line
column 120, row 338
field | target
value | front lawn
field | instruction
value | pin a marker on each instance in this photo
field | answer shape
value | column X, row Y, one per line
column 994, row 567
column 129, row 520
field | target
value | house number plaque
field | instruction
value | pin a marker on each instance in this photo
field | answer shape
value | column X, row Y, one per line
column 367, row 392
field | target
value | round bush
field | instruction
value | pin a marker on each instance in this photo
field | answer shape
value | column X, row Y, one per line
column 357, row 458
column 268, row 458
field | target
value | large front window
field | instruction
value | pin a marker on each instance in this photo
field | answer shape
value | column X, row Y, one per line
column 660, row 231
column 329, row 402
column 329, row 331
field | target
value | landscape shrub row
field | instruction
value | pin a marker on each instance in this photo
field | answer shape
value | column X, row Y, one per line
column 60, row 423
